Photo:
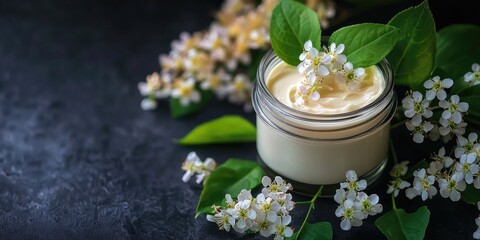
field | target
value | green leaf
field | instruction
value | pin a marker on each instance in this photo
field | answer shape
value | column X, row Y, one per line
column 421, row 164
column 316, row 231
column 473, row 104
column 413, row 57
column 471, row 195
column 457, row 49
column 471, row 95
column 230, row 177
column 177, row 110
column 470, row 91
column 226, row 129
column 366, row 44
column 291, row 25
column 398, row 225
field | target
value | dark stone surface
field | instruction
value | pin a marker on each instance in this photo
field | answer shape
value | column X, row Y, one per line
column 79, row 159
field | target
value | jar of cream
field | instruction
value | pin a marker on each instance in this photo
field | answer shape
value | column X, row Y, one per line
column 317, row 144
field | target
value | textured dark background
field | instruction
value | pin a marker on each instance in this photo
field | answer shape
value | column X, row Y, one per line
column 79, row 159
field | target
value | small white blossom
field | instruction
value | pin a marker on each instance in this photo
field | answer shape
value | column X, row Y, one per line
column 419, row 130
column 368, row 205
column 222, row 219
column 335, row 56
column 399, row 169
column 451, row 187
column 437, row 88
column 449, row 128
column 466, row 145
column 194, row 165
column 350, row 216
column 397, row 184
column 467, row 168
column 422, row 185
column 352, row 183
column 352, row 77
column 415, row 107
column 440, row 161
column 474, row 76
column 275, row 187
column 186, row 92
column 453, row 109
column 282, row 229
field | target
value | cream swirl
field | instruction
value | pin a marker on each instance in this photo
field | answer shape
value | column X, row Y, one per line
column 335, row 98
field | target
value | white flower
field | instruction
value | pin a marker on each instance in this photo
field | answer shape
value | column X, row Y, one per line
column 436, row 88
column 245, row 195
column 281, row 228
column 465, row 145
column 186, row 92
column 341, row 195
column 418, row 129
column 474, row 76
column 351, row 77
column 453, row 109
column 275, row 187
column 467, row 167
column 222, row 219
column 335, row 56
column 449, row 128
column 350, row 216
column 205, row 169
column 243, row 214
column 422, row 185
column 440, row 161
column 262, row 225
column 414, row 107
column 368, row 205
column 451, row 187
column 399, row 169
column 397, row 184
column 193, row 165
column 190, row 165
column 352, row 183
column 267, row 206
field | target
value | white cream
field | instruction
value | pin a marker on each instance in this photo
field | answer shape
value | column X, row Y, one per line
column 335, row 98
column 316, row 148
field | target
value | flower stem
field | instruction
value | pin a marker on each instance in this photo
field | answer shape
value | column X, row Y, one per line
column 392, row 149
column 396, row 125
column 394, row 205
column 303, row 202
column 312, row 203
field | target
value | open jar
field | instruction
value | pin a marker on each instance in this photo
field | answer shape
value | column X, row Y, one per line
column 309, row 149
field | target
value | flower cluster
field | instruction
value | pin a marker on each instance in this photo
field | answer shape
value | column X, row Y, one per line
column 418, row 109
column 355, row 205
column 193, row 165
column 318, row 66
column 218, row 59
column 267, row 213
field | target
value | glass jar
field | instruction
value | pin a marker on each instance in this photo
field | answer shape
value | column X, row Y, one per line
column 310, row 150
